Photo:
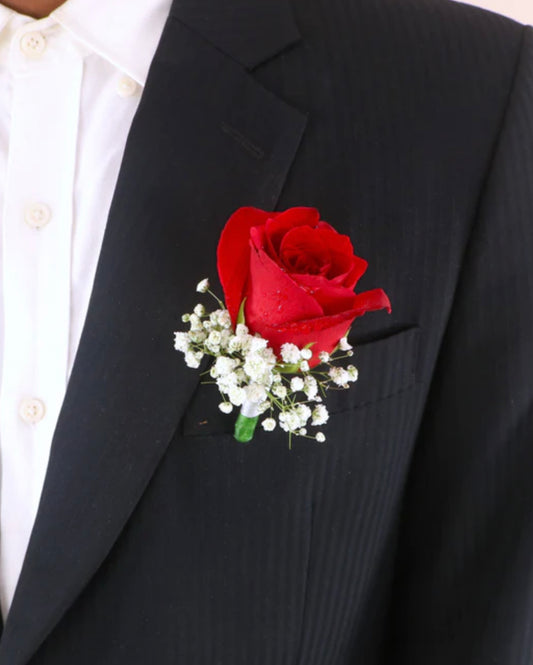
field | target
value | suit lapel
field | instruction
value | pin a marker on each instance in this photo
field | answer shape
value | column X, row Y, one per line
column 206, row 139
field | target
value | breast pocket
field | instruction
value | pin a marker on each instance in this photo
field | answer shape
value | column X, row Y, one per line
column 387, row 364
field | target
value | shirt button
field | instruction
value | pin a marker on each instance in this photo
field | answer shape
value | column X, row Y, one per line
column 33, row 43
column 31, row 410
column 37, row 215
column 126, row 86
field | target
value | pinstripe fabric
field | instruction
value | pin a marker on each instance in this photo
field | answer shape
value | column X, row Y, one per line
column 466, row 540
column 405, row 539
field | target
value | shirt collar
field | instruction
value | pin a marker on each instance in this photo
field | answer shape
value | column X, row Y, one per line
column 125, row 34
column 5, row 15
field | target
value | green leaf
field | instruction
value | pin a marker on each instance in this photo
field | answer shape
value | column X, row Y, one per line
column 240, row 315
column 287, row 368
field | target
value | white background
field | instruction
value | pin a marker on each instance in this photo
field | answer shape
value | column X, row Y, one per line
column 520, row 10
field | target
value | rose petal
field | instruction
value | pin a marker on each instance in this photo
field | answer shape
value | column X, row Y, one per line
column 356, row 271
column 331, row 297
column 258, row 237
column 272, row 296
column 302, row 251
column 346, row 268
column 323, row 332
column 276, row 227
column 372, row 300
column 233, row 254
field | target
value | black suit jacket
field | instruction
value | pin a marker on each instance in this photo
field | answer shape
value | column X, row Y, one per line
column 405, row 539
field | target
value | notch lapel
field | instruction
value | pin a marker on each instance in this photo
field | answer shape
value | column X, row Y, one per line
column 206, row 139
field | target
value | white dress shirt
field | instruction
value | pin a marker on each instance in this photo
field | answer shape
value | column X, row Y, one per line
column 70, row 84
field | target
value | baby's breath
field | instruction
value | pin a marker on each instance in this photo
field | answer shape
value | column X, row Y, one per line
column 248, row 374
column 297, row 384
column 319, row 415
column 269, row 424
column 344, row 345
column 203, row 286
column 290, row 353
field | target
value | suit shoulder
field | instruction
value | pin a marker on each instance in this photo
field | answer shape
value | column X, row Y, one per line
column 467, row 53
column 413, row 28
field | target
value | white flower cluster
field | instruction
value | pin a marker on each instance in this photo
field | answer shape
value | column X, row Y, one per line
column 249, row 375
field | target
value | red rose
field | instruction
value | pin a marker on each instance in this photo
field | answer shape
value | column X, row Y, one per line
column 298, row 277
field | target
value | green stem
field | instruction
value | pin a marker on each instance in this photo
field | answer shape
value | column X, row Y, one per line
column 245, row 428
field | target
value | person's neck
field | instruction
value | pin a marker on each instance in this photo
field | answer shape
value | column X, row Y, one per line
column 35, row 8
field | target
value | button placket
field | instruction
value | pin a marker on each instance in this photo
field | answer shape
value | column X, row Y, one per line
column 36, row 263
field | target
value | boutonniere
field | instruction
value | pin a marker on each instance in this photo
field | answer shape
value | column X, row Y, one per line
column 279, row 340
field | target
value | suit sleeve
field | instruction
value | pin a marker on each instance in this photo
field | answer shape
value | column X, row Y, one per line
column 463, row 591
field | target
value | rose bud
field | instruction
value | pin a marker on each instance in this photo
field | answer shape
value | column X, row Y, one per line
column 297, row 275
